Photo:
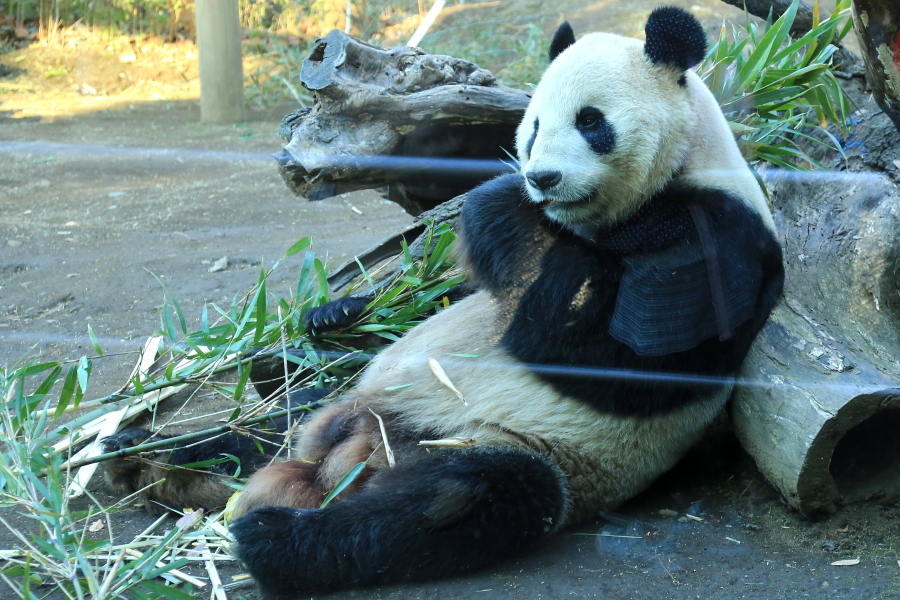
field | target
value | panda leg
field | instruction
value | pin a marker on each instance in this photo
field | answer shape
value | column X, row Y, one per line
column 436, row 515
column 165, row 486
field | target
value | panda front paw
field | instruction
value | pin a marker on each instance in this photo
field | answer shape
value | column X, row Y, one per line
column 335, row 315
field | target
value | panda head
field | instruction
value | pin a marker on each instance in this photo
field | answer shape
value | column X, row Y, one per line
column 611, row 120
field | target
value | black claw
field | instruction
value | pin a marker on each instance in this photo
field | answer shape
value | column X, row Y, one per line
column 337, row 314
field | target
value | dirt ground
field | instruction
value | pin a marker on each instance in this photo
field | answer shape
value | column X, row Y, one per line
column 99, row 191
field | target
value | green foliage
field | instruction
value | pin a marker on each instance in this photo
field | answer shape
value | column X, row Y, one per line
column 772, row 88
column 125, row 16
column 517, row 57
column 273, row 79
column 55, row 551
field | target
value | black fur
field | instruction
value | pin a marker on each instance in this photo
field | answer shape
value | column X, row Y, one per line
column 564, row 332
column 562, row 39
column 674, row 37
column 226, row 447
column 343, row 312
column 596, row 130
column 335, row 315
column 441, row 514
column 267, row 373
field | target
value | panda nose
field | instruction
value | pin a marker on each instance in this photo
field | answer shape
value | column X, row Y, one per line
column 543, row 180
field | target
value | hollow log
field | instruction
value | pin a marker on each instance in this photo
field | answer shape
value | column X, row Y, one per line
column 425, row 128
column 819, row 409
column 877, row 25
column 819, row 406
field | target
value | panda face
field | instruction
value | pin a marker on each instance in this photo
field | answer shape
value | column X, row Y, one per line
column 605, row 130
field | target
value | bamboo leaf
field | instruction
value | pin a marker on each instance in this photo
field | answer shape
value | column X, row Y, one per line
column 94, row 342
column 158, row 589
column 345, row 481
column 204, row 320
column 261, row 308
column 170, row 300
column 299, row 246
column 84, row 372
column 68, row 388
column 243, row 377
column 322, row 278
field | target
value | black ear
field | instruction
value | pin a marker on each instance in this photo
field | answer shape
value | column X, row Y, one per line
column 674, row 37
column 562, row 39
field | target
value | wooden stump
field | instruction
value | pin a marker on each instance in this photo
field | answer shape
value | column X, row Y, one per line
column 426, row 128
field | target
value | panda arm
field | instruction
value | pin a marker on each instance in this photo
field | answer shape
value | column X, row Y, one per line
column 507, row 243
column 335, row 315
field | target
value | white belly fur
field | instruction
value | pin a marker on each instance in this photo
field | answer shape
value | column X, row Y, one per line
column 606, row 458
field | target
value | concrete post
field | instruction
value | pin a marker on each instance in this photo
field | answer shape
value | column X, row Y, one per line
column 221, row 70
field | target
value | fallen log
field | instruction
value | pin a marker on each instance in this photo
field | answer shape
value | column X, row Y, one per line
column 819, row 404
column 425, row 128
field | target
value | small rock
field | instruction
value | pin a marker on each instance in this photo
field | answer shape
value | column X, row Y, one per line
column 13, row 243
column 219, row 265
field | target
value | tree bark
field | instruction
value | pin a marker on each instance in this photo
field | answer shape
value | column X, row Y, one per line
column 877, row 25
column 427, row 128
column 221, row 69
column 763, row 8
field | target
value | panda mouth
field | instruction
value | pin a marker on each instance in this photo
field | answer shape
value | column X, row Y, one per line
column 559, row 202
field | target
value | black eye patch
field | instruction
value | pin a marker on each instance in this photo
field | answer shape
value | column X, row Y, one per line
column 595, row 130
column 533, row 137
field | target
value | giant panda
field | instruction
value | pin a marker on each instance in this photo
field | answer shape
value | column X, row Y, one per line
column 621, row 276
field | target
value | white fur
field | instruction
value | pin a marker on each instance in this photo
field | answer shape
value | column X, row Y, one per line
column 607, row 459
column 660, row 126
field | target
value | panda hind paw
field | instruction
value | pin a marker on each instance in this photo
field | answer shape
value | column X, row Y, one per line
column 266, row 542
column 127, row 438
